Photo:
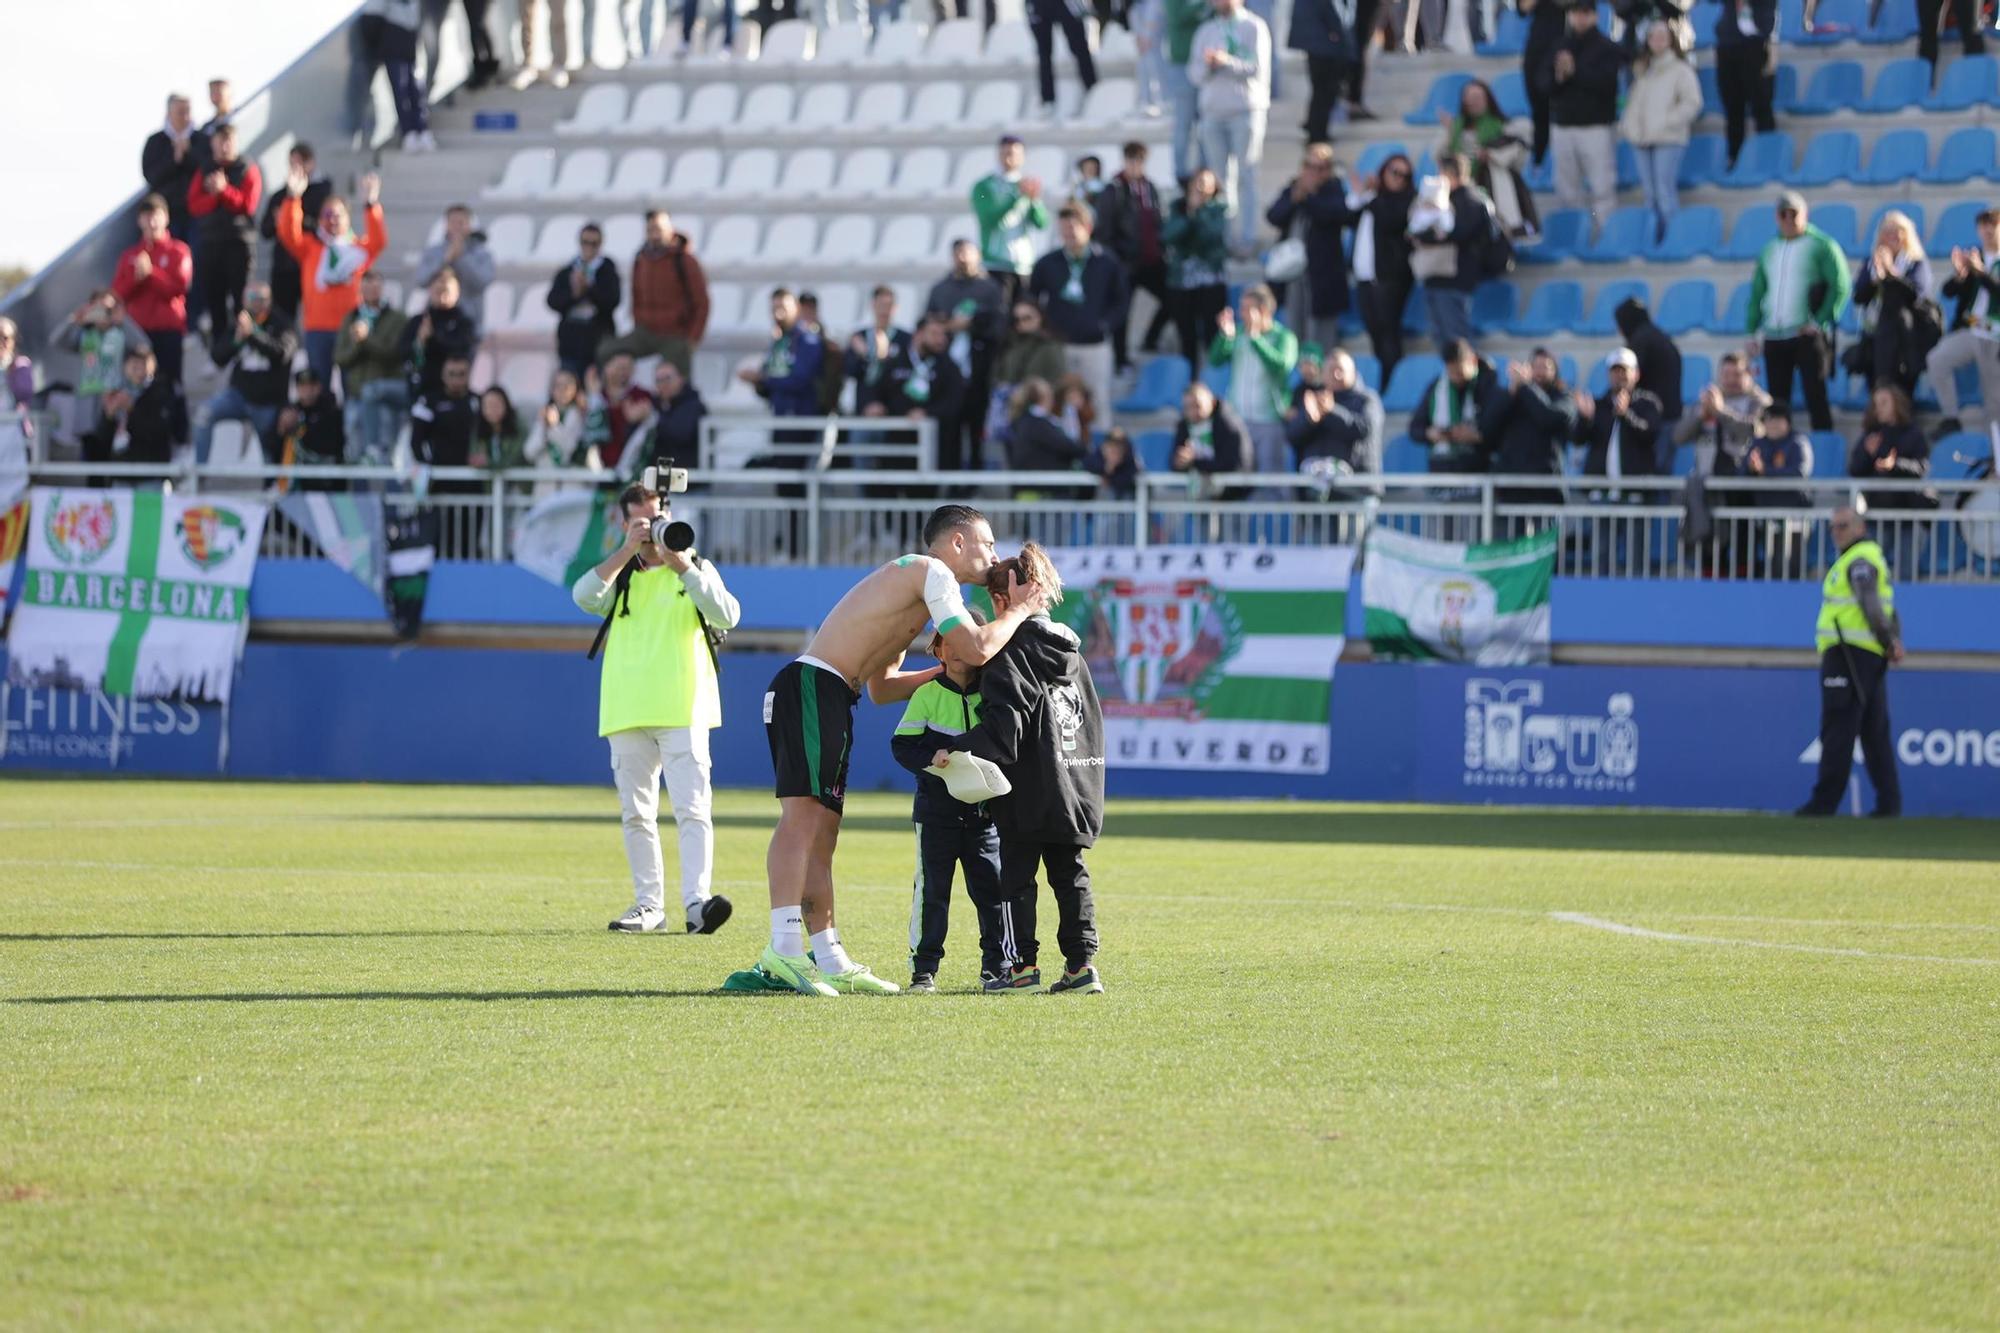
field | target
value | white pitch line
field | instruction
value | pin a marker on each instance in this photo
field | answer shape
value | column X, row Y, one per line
column 1671, row 937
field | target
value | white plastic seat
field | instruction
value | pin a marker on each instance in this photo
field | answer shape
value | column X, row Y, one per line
column 879, row 107
column 1116, row 44
column 640, row 174
column 1051, row 164
column 973, row 165
column 732, row 240
column 955, row 42
column 656, row 108
column 692, row 226
column 749, row 42
column 791, row 240
column 899, row 44
column 710, row 369
column 527, row 175
column 848, row 240
column 695, row 172
column 499, row 305
column 768, row 107
column 713, row 107
column 753, row 173
column 840, row 313
column 906, row 240
column 725, row 307
column 525, row 376
column 602, row 111
column 1110, row 102
column 1011, row 43
column 786, row 43
column 936, row 106
column 909, row 301
column 435, row 234
column 1009, row 11
column 483, row 365
column 558, row 242
column 623, row 235
column 994, row 105
column 810, row 171
column 414, row 303
column 584, row 175
column 532, row 315
column 869, row 171
column 823, row 103
column 846, row 44
column 511, row 238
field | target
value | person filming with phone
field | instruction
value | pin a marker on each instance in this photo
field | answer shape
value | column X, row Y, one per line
column 665, row 610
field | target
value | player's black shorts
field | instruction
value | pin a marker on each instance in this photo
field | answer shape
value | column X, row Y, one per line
column 809, row 718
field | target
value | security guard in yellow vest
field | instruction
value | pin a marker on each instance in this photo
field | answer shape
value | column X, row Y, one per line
column 657, row 702
column 1859, row 636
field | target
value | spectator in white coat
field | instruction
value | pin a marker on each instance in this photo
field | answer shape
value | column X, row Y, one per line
column 1230, row 67
column 1661, row 106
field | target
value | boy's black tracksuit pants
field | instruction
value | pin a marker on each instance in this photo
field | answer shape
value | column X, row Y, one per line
column 1069, row 881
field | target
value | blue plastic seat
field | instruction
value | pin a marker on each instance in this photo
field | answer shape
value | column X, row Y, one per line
column 1966, row 155
column 1765, row 160
column 1375, row 154
column 1510, row 93
column 1704, row 162
column 1851, row 15
column 1836, row 86
column 1899, row 155
column 1687, row 307
column 1368, row 369
column 1955, row 456
column 1702, row 19
column 1753, row 230
column 1404, row 454
column 1443, row 96
column 1602, row 322
column 1697, row 373
column 1598, row 378
column 1155, row 448
column 1626, row 235
column 1711, row 91
column 1968, row 82
column 1959, row 225
column 1837, row 221
column 1564, row 232
column 1553, row 307
column 1493, row 306
column 1829, row 157
column 1628, row 166
column 1734, row 320
column 1161, row 382
column 1510, row 36
column 1416, row 316
column 1902, row 84
column 1407, row 383
column 1829, row 453
column 1896, row 25
column 1695, row 233
column 1217, row 379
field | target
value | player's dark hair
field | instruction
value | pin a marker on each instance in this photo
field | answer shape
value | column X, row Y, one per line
column 946, row 517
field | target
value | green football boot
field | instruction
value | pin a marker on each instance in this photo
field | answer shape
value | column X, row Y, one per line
column 858, row 980
column 800, row 974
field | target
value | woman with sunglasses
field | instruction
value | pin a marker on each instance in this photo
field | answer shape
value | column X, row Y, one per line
column 1380, row 264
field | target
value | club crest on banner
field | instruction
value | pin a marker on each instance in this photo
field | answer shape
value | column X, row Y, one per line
column 208, row 536
column 1166, row 644
column 81, row 531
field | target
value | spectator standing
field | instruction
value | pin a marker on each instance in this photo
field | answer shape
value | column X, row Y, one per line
column 691, row 10
column 223, row 201
column 98, row 333
column 1546, row 30
column 1659, row 371
column 1892, row 448
column 1009, row 206
column 1261, row 356
column 1538, row 418
column 443, row 332
column 442, row 420
column 332, row 261
column 1036, row 439
column 1798, row 292
column 1081, row 290
column 1584, row 106
column 555, row 436
column 259, row 354
column 832, row 367
column 1044, row 17
column 1317, row 201
column 1974, row 339
column 464, row 251
column 557, row 74
column 1458, row 415
column 1183, row 18
column 1724, row 424
column 370, row 353
column 1746, row 68
column 1381, row 266
column 172, row 155
column 1197, row 237
column 1132, row 227
column 872, row 350
column 789, row 377
column 1030, row 353
column 140, row 418
column 1230, row 67
column 1661, row 108
column 389, row 27
column 1494, row 156
column 1781, row 453
column 285, row 289
column 1335, row 428
column 1115, row 464
column 1899, row 321
column 1968, row 14
column 584, row 294
column 669, row 296
column 152, row 280
column 222, row 107
column 1325, row 32
column 1622, row 428
column 610, row 407
column 1209, row 439
column 1450, row 228
column 975, row 314
column 921, row 383
column 677, row 433
column 311, row 432
column 1148, row 22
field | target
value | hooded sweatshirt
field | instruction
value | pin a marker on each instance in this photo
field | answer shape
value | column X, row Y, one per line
column 1040, row 721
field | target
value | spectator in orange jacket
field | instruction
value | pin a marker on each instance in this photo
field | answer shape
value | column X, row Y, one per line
column 331, row 261
column 222, row 198
column 669, row 298
column 152, row 280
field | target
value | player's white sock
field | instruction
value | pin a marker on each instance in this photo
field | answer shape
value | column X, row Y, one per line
column 828, row 953
column 788, row 932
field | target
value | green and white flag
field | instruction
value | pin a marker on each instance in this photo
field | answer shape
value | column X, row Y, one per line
column 135, row 592
column 1447, row 601
column 568, row 533
column 346, row 528
column 1211, row 657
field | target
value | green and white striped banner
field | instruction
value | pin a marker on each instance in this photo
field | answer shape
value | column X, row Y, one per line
column 565, row 534
column 1446, row 601
column 1210, row 657
column 135, row 592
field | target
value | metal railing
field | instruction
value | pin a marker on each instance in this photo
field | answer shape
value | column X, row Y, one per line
column 810, row 517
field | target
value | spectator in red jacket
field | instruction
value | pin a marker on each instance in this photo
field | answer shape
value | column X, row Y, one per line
column 223, row 200
column 669, row 297
column 152, row 280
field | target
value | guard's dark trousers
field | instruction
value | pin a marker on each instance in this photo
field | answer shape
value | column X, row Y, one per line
column 1069, row 880
column 1853, row 701
column 942, row 850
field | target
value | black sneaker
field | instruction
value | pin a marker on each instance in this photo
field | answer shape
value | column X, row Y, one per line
column 1083, row 981
column 1814, row 812
column 1019, row 980
column 1949, row 426
column 1886, row 812
column 1356, row 111
column 923, row 983
column 714, row 913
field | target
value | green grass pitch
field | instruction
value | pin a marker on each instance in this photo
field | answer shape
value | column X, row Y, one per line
column 365, row 1057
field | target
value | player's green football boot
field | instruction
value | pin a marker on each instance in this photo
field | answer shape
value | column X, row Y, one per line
column 799, row 973
column 858, row 980
column 754, row 981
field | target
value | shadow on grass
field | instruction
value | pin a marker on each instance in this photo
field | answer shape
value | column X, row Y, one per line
column 311, row 997
column 1475, row 826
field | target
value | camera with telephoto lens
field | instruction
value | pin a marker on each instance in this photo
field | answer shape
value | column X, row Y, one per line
column 667, row 530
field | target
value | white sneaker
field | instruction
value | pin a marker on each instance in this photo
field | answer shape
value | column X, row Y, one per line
column 430, row 142
column 413, row 142
column 523, row 80
column 558, row 78
column 1152, row 110
column 640, row 920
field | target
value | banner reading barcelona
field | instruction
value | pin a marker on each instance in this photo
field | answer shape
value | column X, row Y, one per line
column 135, row 592
column 1210, row 657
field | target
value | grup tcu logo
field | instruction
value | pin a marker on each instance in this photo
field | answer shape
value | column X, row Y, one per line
column 1511, row 742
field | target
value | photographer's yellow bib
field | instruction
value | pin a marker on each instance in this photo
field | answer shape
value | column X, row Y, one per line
column 656, row 668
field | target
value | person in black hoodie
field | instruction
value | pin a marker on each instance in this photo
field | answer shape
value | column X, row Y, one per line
column 172, row 155
column 1538, row 61
column 442, row 422
column 1659, row 372
column 584, row 294
column 1584, row 106
column 259, row 350
column 1040, row 721
column 1380, row 263
column 1621, row 427
column 143, row 418
column 284, row 268
column 677, row 431
column 923, row 383
column 313, row 431
column 1537, row 421
column 444, row 332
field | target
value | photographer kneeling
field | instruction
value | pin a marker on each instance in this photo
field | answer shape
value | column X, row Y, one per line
column 663, row 609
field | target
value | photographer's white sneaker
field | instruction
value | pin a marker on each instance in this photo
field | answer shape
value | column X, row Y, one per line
column 640, row 920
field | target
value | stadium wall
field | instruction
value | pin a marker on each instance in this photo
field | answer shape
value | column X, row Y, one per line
column 1728, row 738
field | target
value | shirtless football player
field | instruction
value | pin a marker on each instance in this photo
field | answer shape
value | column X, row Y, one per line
column 809, row 717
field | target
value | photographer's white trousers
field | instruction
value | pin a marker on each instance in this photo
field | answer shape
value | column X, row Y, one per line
column 638, row 758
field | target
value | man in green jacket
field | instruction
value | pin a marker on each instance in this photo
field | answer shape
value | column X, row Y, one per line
column 1182, row 18
column 1797, row 295
column 1261, row 355
column 368, row 351
column 1009, row 208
